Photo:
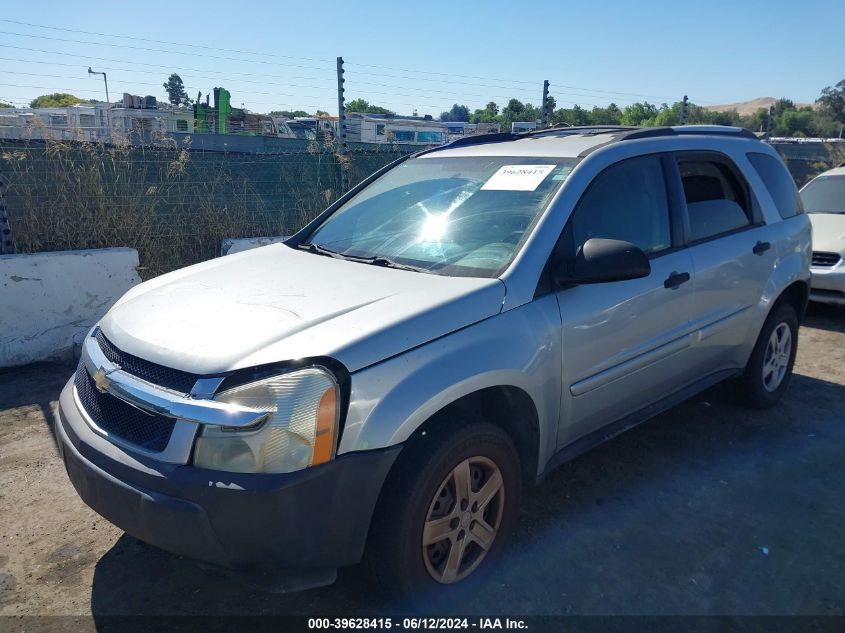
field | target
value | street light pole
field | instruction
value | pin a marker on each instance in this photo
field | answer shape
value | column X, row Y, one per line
column 105, row 80
column 108, row 101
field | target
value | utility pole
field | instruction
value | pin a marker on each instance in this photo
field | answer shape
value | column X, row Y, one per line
column 684, row 110
column 6, row 245
column 341, row 128
column 544, row 110
column 769, row 117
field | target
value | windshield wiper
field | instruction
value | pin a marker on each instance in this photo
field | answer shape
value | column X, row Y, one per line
column 375, row 261
column 389, row 263
column 311, row 247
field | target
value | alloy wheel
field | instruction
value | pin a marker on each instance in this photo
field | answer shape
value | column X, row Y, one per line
column 776, row 358
column 463, row 520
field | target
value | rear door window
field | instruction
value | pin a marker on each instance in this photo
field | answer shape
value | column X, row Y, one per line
column 778, row 182
column 716, row 196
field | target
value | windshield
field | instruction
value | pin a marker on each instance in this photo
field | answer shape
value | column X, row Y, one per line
column 825, row 194
column 458, row 216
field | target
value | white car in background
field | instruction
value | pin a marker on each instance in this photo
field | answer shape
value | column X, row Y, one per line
column 824, row 200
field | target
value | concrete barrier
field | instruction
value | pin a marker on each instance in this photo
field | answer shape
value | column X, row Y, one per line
column 48, row 301
column 232, row 245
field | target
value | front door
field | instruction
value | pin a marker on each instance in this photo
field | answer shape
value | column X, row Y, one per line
column 625, row 343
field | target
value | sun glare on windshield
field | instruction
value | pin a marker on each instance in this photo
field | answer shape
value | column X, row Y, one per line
column 434, row 227
column 446, row 215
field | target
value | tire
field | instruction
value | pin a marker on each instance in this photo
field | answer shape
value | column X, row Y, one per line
column 423, row 489
column 769, row 369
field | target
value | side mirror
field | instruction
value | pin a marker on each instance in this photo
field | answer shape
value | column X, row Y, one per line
column 602, row 260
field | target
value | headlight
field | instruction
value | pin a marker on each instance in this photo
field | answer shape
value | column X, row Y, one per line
column 300, row 429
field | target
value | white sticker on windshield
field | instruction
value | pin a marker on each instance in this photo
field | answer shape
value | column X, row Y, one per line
column 518, row 177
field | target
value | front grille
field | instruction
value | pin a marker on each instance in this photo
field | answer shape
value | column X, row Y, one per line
column 151, row 432
column 826, row 260
column 166, row 377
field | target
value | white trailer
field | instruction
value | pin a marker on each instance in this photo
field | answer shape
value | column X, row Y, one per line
column 385, row 129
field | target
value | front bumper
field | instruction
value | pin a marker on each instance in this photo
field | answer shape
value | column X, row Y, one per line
column 307, row 523
column 828, row 284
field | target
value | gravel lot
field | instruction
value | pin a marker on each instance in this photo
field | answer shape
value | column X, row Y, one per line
column 708, row 509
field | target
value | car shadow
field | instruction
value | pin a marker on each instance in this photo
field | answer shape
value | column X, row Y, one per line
column 696, row 511
column 823, row 316
column 38, row 384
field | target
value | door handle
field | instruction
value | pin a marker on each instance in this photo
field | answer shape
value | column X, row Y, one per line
column 674, row 280
column 761, row 247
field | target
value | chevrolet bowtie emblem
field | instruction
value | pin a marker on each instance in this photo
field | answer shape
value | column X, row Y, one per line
column 101, row 380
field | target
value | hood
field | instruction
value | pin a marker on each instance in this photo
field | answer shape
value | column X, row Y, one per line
column 828, row 232
column 275, row 303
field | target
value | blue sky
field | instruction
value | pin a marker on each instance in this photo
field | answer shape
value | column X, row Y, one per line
column 426, row 56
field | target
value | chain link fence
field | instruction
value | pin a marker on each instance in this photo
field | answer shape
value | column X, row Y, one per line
column 807, row 159
column 175, row 205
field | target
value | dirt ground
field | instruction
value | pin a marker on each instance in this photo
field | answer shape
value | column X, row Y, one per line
column 708, row 509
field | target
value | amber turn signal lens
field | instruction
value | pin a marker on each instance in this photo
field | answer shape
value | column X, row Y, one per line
column 324, row 438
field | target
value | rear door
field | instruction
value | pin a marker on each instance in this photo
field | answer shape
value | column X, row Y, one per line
column 732, row 254
column 625, row 343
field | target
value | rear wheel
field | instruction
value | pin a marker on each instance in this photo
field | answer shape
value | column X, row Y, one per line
column 769, row 369
column 446, row 512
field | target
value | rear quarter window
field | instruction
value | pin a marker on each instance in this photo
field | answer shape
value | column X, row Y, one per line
column 779, row 183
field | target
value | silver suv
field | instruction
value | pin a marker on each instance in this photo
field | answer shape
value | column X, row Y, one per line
column 383, row 384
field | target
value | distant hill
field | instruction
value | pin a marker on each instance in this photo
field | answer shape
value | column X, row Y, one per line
column 749, row 107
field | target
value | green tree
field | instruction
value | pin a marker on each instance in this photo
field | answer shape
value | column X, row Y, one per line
column 783, row 105
column 3, row 104
column 638, row 113
column 289, row 114
column 56, row 100
column 176, row 91
column 490, row 114
column 456, row 113
column 611, row 115
column 832, row 102
column 576, row 115
column 365, row 107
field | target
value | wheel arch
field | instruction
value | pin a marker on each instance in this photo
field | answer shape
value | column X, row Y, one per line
column 506, row 406
column 797, row 294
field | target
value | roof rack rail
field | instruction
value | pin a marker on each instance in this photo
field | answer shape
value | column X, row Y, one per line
column 570, row 130
column 492, row 137
column 684, row 130
column 621, row 132
column 476, row 139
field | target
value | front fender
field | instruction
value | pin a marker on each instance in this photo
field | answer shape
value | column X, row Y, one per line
column 518, row 348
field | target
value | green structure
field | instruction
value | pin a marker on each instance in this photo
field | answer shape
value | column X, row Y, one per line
column 201, row 117
column 222, row 118
column 214, row 118
column 223, row 106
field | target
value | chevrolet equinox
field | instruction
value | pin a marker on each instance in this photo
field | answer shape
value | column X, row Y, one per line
column 382, row 385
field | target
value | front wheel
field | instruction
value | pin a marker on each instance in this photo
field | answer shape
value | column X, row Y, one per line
column 446, row 512
column 769, row 369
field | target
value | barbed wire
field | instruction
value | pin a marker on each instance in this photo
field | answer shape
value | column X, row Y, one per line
column 360, row 68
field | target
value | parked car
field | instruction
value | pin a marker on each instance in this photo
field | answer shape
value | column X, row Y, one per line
column 824, row 200
column 382, row 385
